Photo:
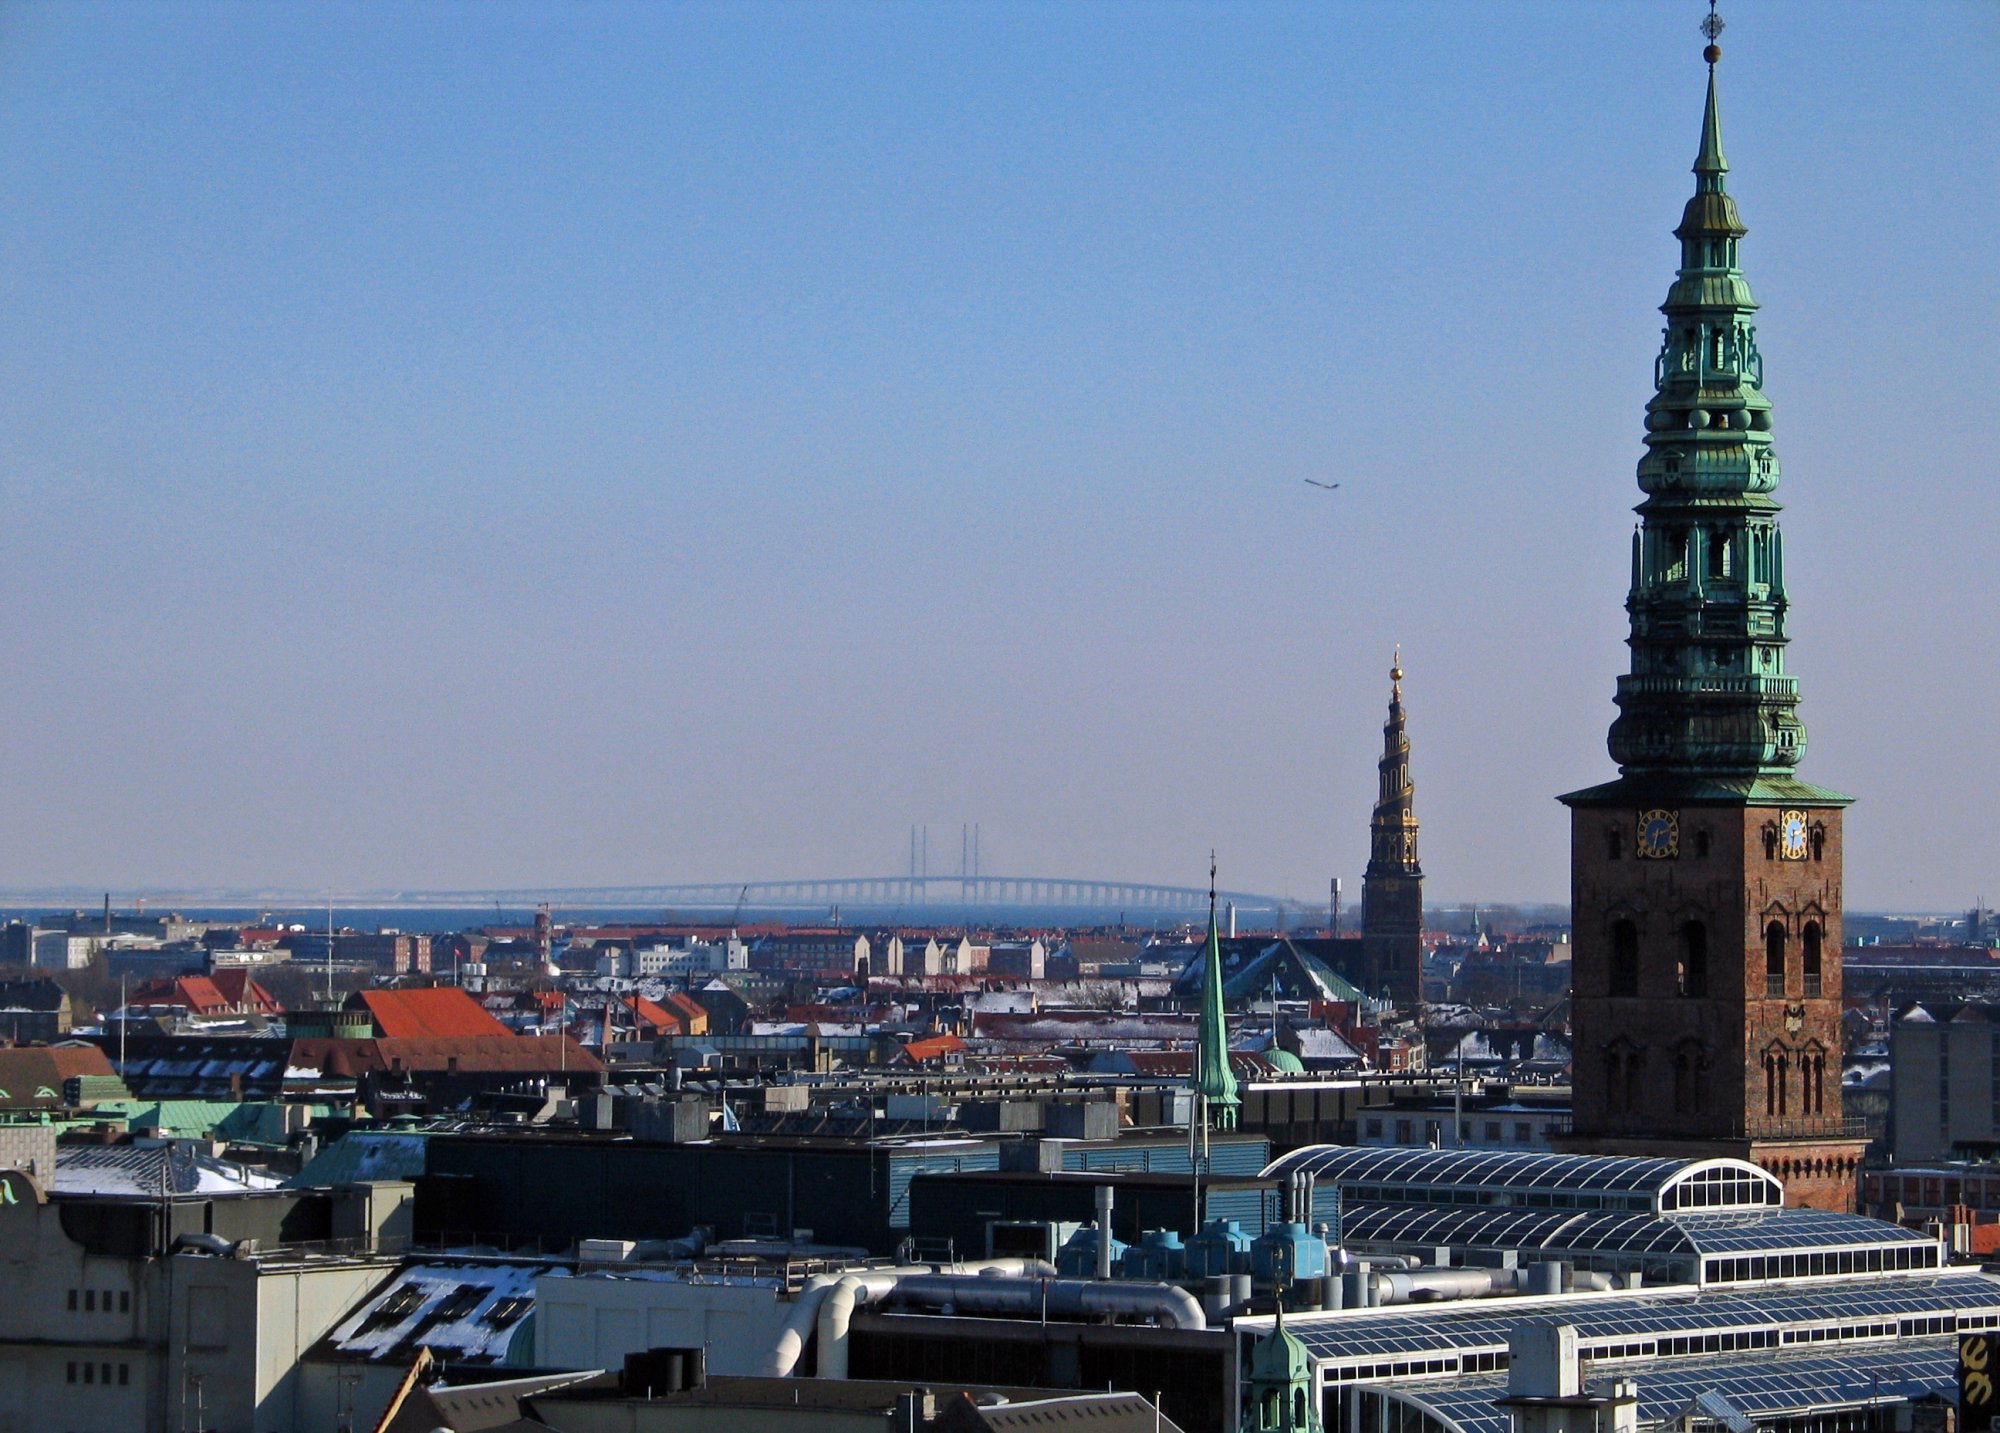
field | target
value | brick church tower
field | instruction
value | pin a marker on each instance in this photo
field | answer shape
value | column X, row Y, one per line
column 1392, row 887
column 1705, row 880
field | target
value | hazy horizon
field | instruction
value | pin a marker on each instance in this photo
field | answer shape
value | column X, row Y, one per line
column 512, row 446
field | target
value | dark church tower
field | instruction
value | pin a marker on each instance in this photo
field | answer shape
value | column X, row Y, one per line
column 1392, row 888
column 1705, row 880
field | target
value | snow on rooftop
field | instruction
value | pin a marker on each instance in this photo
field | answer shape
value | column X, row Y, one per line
column 463, row 1313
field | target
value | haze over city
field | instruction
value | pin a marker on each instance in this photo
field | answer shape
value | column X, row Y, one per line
column 508, row 446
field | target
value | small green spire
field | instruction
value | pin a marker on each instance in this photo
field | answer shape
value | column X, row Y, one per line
column 1213, row 1079
column 1709, row 164
column 1281, row 1383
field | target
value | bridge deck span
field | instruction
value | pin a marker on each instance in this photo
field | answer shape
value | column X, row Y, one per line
column 905, row 891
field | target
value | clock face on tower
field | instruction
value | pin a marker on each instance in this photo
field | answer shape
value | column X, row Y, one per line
column 1659, row 837
column 1792, row 835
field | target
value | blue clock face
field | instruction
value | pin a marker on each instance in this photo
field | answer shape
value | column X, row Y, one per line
column 1792, row 835
column 1659, row 834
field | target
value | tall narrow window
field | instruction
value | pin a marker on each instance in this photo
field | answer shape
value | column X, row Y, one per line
column 1770, row 1083
column 1809, row 958
column 1624, row 958
column 1774, row 959
column 1694, row 959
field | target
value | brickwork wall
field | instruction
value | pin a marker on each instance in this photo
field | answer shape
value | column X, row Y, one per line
column 1666, row 1062
column 1392, row 926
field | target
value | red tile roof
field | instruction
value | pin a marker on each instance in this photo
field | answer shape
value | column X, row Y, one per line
column 647, row 1013
column 31, row 1076
column 445, row 1012
column 933, row 1047
column 243, row 992
column 469, row 1054
column 196, row 994
column 691, row 1011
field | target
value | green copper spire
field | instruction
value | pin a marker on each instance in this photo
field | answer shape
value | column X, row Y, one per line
column 1709, row 164
column 1281, row 1384
column 1213, row 1079
column 1708, row 708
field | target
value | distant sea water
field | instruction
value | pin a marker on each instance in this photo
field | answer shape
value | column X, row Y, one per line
column 429, row 919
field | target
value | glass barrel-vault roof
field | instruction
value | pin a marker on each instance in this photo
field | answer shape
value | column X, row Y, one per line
column 1583, row 1180
column 1473, row 1227
column 1765, row 1387
column 1791, row 1231
column 1571, row 1231
column 1635, row 1321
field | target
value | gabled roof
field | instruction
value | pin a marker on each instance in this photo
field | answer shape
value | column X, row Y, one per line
column 148, row 1169
column 504, row 1053
column 1099, row 1412
column 647, row 1013
column 196, row 994
column 443, row 1012
column 932, row 1047
column 1252, row 965
column 242, row 991
column 32, row 995
column 31, row 1076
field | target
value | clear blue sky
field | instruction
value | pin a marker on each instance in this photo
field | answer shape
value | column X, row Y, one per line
column 499, row 444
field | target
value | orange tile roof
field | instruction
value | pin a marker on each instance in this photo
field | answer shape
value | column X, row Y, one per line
column 444, row 1012
column 932, row 1047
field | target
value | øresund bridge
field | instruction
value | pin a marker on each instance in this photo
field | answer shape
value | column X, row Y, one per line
column 911, row 895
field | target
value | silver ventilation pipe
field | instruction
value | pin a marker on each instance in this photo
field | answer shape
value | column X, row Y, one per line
column 1003, row 1295
column 1103, row 1232
column 865, row 1286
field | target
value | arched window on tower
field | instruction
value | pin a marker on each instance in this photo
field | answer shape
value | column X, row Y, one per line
column 1777, row 1082
column 1694, row 959
column 1677, row 544
column 1719, row 553
column 1809, row 958
column 1774, row 959
column 1770, row 841
column 1818, row 838
column 1702, row 841
column 1614, row 843
column 1624, row 959
column 1298, row 1408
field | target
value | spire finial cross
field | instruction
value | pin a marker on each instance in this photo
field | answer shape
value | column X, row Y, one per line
column 1711, row 26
